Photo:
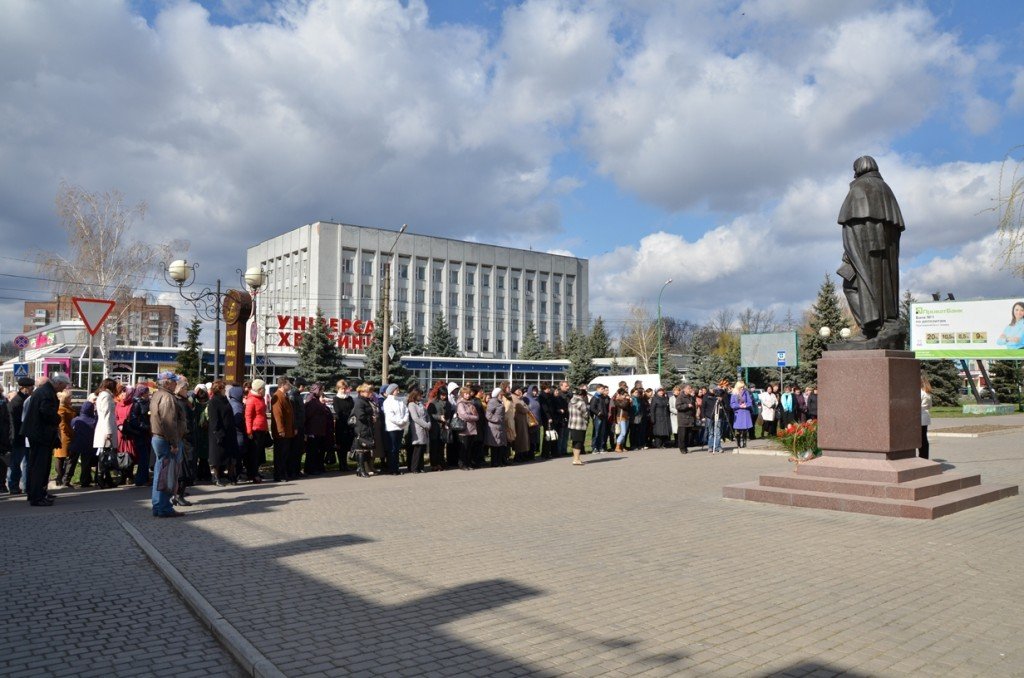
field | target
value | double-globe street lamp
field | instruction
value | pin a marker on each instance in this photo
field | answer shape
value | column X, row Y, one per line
column 209, row 303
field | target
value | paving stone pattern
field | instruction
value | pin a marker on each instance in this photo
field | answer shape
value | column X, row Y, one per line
column 630, row 565
column 80, row 599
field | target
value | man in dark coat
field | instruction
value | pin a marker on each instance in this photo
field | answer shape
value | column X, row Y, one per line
column 562, row 397
column 41, row 429
column 17, row 471
column 6, row 438
column 686, row 410
column 872, row 225
column 297, row 397
column 598, row 408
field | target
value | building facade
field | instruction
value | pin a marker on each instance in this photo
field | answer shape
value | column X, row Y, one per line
column 137, row 323
column 487, row 293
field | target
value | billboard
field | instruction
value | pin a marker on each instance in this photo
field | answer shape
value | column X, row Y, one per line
column 763, row 350
column 991, row 329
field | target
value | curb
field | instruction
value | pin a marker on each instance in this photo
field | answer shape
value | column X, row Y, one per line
column 245, row 653
column 984, row 434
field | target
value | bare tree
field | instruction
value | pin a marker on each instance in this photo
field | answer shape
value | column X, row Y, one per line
column 640, row 338
column 1010, row 208
column 756, row 322
column 103, row 260
column 722, row 320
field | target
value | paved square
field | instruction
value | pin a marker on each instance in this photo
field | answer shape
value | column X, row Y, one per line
column 631, row 565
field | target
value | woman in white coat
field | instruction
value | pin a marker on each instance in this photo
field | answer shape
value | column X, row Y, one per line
column 106, row 423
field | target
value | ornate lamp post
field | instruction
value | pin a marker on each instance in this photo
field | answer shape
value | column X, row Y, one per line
column 255, row 278
column 667, row 283
column 386, row 330
column 208, row 303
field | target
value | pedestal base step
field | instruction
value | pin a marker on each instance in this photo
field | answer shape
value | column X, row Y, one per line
column 929, row 508
column 912, row 490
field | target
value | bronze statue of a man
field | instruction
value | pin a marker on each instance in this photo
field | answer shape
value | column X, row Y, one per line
column 872, row 224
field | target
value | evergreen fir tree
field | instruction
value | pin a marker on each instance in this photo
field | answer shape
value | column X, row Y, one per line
column 442, row 343
column 191, row 352
column 827, row 311
column 581, row 360
column 707, row 368
column 405, row 342
column 670, row 374
column 944, row 376
column 319, row 359
column 1007, row 381
column 558, row 350
column 531, row 348
column 372, row 370
column 600, row 342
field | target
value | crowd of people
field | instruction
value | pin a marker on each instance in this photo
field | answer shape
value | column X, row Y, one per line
column 166, row 436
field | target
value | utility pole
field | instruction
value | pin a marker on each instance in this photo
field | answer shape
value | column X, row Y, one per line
column 386, row 330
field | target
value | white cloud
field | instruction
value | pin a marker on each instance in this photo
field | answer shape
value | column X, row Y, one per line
column 775, row 258
column 695, row 120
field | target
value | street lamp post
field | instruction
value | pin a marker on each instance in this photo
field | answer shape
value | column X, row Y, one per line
column 667, row 282
column 207, row 303
column 386, row 330
column 255, row 278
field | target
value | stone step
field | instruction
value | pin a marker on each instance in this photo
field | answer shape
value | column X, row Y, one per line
column 873, row 470
column 930, row 508
column 912, row 490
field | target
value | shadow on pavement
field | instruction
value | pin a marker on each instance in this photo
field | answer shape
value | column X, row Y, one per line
column 308, row 624
column 815, row 669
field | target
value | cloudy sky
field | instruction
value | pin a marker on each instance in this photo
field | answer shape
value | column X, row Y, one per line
column 709, row 141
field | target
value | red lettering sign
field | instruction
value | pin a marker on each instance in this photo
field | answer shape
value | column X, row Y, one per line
column 284, row 339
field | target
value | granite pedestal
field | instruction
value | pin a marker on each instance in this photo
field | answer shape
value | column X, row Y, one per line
column 869, row 429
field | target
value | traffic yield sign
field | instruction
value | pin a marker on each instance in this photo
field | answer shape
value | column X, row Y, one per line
column 93, row 312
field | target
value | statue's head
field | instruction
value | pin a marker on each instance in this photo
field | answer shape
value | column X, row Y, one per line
column 863, row 165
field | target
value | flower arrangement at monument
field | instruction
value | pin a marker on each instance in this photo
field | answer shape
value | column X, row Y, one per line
column 801, row 440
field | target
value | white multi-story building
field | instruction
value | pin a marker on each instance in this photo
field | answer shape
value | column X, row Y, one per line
column 487, row 293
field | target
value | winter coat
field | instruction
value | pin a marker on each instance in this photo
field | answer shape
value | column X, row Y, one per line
column 17, row 405
column 66, row 414
column 106, row 422
column 82, row 429
column 494, row 434
column 440, row 412
column 362, row 410
column 769, row 406
column 812, row 406
column 281, row 408
column 660, row 416
column 743, row 420
column 298, row 403
column 419, row 422
column 123, row 415
column 396, row 414
column 6, row 427
column 578, row 419
column 221, row 433
column 40, row 419
column 255, row 414
column 466, row 410
column 672, row 416
column 236, row 394
column 522, row 425
column 318, row 419
column 686, row 410
column 533, row 404
column 166, row 419
column 343, row 403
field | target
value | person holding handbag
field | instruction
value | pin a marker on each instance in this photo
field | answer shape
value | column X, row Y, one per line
column 363, row 423
column 440, row 411
column 105, row 436
column 466, row 411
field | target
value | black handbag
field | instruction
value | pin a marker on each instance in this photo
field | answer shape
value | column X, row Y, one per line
column 124, row 461
column 457, row 425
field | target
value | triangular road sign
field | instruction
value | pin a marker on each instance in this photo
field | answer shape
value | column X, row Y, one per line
column 93, row 312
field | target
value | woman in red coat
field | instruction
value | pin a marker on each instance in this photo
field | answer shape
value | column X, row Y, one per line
column 257, row 432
